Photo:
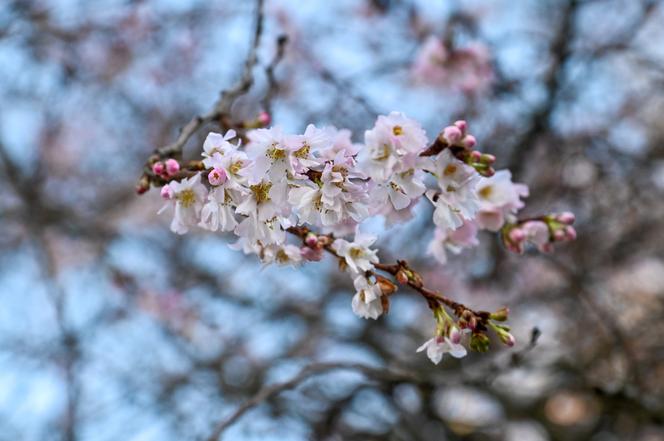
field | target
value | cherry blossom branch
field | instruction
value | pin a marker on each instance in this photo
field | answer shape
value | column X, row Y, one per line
column 320, row 178
column 404, row 274
column 460, row 143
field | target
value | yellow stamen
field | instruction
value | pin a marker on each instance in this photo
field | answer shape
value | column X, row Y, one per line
column 282, row 257
column 275, row 153
column 303, row 153
column 236, row 167
column 485, row 192
column 356, row 252
column 261, row 191
column 383, row 154
column 187, row 198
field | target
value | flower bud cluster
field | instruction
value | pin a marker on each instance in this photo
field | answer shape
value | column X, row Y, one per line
column 446, row 340
column 542, row 232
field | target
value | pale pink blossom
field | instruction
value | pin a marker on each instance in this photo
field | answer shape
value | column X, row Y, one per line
column 452, row 240
column 500, row 199
column 467, row 68
column 438, row 346
column 357, row 254
column 187, row 200
column 367, row 302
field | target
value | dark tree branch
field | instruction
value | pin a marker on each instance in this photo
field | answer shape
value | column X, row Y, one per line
column 312, row 370
column 222, row 107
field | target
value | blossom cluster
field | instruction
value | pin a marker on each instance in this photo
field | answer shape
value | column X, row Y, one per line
column 268, row 183
column 467, row 68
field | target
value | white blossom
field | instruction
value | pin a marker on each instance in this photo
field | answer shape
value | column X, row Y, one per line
column 367, row 301
column 269, row 153
column 457, row 199
column 438, row 346
column 301, row 148
column 452, row 240
column 400, row 191
column 341, row 143
column 188, row 197
column 218, row 212
column 499, row 199
column 216, row 143
column 282, row 255
column 393, row 142
column 357, row 254
column 307, row 200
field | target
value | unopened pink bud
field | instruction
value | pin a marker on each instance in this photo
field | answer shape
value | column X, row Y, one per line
column 167, row 192
column 570, row 233
column 311, row 240
column 172, row 167
column 452, row 134
column 455, row 335
column 509, row 340
column 469, row 141
column 566, row 218
column 158, row 168
column 476, row 156
column 517, row 235
column 462, row 125
column 264, row 118
column 217, row 176
column 312, row 254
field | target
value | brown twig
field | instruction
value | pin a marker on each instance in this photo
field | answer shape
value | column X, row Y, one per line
column 221, row 109
column 434, row 298
column 272, row 85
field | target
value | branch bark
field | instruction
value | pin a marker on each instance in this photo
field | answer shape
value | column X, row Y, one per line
column 221, row 109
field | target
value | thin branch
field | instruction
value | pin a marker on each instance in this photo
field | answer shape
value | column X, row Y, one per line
column 553, row 81
column 272, row 85
column 414, row 279
column 227, row 97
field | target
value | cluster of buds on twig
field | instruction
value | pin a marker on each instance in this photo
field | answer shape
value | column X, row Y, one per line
column 457, row 135
column 159, row 171
column 461, row 143
column 479, row 340
column 406, row 275
column 543, row 232
column 449, row 333
column 446, row 340
column 314, row 246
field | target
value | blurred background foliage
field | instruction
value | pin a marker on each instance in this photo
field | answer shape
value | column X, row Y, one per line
column 111, row 327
